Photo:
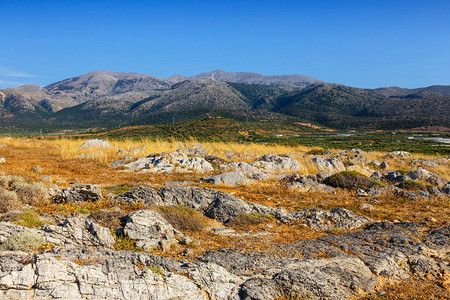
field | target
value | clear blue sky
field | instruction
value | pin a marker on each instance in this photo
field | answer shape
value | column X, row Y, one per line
column 363, row 43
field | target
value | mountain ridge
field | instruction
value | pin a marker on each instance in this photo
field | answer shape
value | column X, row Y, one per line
column 109, row 97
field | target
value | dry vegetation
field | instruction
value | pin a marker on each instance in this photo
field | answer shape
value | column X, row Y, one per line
column 59, row 165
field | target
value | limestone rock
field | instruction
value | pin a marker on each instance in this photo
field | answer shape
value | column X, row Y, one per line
column 77, row 193
column 95, row 143
column 271, row 163
column 79, row 232
column 230, row 178
column 141, row 194
column 426, row 176
column 331, row 165
column 398, row 154
column 150, row 230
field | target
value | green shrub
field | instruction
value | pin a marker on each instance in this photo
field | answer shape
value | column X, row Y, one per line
column 29, row 219
column 183, row 218
column 157, row 270
column 120, row 188
column 244, row 220
column 8, row 201
column 123, row 242
column 350, row 180
column 22, row 241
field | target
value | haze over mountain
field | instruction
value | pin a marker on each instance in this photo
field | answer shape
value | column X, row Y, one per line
column 114, row 98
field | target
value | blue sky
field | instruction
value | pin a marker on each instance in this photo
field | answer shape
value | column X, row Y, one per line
column 361, row 43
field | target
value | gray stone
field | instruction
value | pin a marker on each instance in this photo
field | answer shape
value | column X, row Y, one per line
column 446, row 188
column 424, row 162
column 426, row 176
column 79, row 232
column 331, row 165
column 398, row 154
column 196, row 150
column 141, row 194
column 95, row 143
column 150, row 230
column 230, row 178
column 271, row 163
column 77, row 193
column 248, row 170
column 174, row 162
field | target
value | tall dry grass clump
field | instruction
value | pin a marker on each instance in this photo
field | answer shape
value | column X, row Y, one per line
column 32, row 193
column 8, row 201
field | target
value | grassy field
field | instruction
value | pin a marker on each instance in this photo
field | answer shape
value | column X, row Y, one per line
column 279, row 133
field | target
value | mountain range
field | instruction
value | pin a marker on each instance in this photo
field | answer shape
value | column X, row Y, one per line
column 114, row 98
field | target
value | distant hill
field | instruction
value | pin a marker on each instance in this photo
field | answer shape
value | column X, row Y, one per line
column 396, row 91
column 114, row 98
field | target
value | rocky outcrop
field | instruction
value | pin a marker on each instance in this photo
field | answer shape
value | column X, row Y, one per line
column 272, row 163
column 151, row 230
column 76, row 232
column 76, row 193
column 72, row 233
column 173, row 162
column 332, row 267
column 331, row 165
column 230, row 178
column 398, row 154
column 426, row 176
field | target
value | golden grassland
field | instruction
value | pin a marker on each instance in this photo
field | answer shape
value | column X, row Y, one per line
column 57, row 158
column 60, row 165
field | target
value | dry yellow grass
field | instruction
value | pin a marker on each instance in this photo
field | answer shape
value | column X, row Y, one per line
column 58, row 162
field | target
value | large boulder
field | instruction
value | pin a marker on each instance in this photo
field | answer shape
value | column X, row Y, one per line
column 141, row 194
column 398, row 154
column 150, row 230
column 77, row 193
column 350, row 180
column 248, row 170
column 193, row 150
column 230, row 178
column 271, row 163
column 95, row 143
column 174, row 162
column 75, row 232
column 331, row 165
column 426, row 176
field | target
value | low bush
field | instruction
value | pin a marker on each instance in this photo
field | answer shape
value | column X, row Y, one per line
column 183, row 218
column 29, row 219
column 5, row 181
column 249, row 219
column 22, row 241
column 123, row 242
column 108, row 218
column 8, row 201
column 410, row 185
column 350, row 180
column 32, row 193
